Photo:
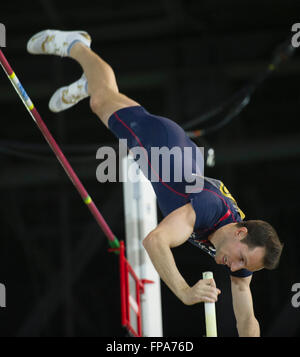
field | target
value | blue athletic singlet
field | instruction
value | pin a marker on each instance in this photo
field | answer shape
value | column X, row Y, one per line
column 213, row 204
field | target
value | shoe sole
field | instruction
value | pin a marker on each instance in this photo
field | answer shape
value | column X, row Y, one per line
column 37, row 35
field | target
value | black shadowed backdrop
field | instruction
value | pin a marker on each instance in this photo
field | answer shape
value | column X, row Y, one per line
column 179, row 59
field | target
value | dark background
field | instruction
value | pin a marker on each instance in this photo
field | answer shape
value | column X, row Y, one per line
column 179, row 59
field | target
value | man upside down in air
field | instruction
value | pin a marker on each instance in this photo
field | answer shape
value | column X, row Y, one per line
column 209, row 217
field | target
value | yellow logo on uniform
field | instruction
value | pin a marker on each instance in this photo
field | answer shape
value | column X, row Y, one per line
column 227, row 194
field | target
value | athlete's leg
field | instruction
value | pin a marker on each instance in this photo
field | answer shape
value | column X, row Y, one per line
column 102, row 86
column 126, row 118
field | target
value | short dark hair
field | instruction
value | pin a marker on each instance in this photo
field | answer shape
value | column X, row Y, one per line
column 262, row 234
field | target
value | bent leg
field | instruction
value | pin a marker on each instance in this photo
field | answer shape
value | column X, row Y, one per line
column 141, row 129
column 102, row 86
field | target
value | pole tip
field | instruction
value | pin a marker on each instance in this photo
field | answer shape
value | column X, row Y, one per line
column 208, row 275
column 114, row 244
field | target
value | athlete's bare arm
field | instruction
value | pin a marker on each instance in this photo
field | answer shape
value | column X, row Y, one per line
column 247, row 324
column 173, row 231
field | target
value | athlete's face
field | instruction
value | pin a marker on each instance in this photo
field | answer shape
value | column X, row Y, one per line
column 232, row 252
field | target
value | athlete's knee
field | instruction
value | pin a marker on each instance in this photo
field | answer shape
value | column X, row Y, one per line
column 95, row 103
column 99, row 98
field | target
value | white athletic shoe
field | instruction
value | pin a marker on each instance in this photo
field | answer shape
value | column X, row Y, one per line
column 65, row 97
column 55, row 42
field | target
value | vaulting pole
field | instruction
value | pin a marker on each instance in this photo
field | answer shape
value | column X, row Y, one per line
column 112, row 239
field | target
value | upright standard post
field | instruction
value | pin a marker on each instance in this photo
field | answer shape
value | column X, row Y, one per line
column 140, row 219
